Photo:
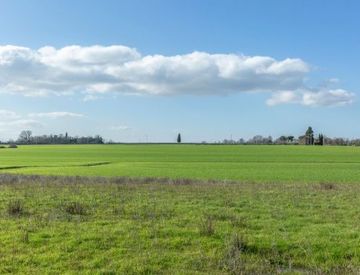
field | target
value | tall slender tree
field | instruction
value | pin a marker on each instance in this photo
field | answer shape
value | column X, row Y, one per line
column 321, row 139
column 309, row 136
column 178, row 138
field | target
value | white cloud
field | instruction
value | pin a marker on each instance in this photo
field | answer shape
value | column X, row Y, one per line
column 337, row 97
column 283, row 97
column 55, row 115
column 120, row 69
column 98, row 70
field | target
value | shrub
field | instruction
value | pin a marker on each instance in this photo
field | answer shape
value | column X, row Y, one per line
column 2, row 147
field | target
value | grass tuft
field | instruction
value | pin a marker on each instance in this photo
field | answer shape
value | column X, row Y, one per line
column 15, row 208
column 233, row 261
column 207, row 227
column 242, row 258
column 25, row 236
column 327, row 186
column 76, row 208
column 237, row 245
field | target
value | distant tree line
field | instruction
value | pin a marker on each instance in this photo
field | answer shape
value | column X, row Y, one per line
column 285, row 140
column 26, row 137
column 309, row 138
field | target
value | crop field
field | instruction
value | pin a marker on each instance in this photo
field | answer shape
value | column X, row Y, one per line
column 179, row 209
column 244, row 163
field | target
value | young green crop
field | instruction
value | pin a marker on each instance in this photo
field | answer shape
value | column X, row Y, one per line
column 245, row 163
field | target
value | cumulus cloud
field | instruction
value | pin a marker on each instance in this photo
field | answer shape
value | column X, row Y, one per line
column 55, row 115
column 98, row 70
column 337, row 97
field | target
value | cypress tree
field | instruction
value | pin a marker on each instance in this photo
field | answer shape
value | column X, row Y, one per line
column 179, row 138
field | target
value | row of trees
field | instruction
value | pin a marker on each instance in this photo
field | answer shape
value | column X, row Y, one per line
column 288, row 140
column 309, row 138
column 26, row 137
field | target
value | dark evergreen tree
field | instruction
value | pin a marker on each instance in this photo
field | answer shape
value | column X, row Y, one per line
column 179, row 138
column 321, row 139
column 309, row 136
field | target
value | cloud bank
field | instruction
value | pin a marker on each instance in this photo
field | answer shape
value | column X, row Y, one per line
column 338, row 97
column 98, row 70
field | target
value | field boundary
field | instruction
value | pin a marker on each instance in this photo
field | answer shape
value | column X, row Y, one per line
column 8, row 178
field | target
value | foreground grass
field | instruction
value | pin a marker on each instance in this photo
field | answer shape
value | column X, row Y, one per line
column 97, row 225
column 234, row 162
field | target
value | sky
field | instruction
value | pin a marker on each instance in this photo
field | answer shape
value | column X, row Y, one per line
column 138, row 71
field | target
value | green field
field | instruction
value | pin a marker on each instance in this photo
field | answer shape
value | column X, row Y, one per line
column 62, row 225
column 179, row 209
column 244, row 163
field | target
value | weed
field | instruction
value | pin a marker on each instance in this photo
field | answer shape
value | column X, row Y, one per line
column 238, row 221
column 206, row 227
column 233, row 261
column 15, row 208
column 119, row 211
column 241, row 258
column 327, row 186
column 237, row 245
column 75, row 208
column 25, row 236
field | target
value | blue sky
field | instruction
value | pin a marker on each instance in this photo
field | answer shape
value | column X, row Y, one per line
column 207, row 69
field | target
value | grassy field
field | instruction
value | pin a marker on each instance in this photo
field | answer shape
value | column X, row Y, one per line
column 186, row 209
column 57, row 225
column 245, row 163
